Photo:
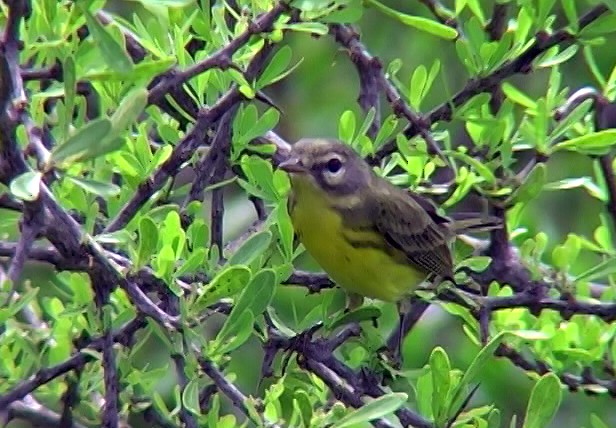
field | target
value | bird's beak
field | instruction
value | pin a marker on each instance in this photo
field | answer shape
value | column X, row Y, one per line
column 292, row 165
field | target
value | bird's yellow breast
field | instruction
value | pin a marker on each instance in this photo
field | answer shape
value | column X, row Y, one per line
column 364, row 270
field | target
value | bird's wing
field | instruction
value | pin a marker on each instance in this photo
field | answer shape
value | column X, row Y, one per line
column 409, row 228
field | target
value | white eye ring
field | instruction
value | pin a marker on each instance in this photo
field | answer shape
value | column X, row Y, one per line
column 334, row 166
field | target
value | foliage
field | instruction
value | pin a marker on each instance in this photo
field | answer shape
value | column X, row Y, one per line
column 134, row 291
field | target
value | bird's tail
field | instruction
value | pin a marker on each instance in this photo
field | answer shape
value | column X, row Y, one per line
column 474, row 222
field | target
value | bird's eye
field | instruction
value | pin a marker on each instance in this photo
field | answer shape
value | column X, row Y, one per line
column 334, row 165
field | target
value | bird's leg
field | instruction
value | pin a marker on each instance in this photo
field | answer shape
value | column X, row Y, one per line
column 410, row 311
column 353, row 302
column 403, row 309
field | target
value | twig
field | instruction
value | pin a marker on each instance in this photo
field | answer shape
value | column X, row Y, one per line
column 229, row 389
column 498, row 23
column 31, row 224
column 186, row 147
column 347, row 37
column 347, row 385
column 35, row 413
column 341, row 390
column 573, row 382
column 369, row 71
column 76, row 361
column 443, row 15
column 220, row 58
column 520, row 64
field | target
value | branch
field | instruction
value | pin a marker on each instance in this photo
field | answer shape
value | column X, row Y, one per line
column 442, row 14
column 372, row 67
column 575, row 383
column 521, row 64
column 347, row 385
column 605, row 118
column 229, row 389
column 31, row 224
column 219, row 59
column 32, row 411
column 186, row 147
column 76, row 361
column 341, row 390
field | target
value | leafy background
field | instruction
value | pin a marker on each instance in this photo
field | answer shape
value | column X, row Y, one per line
column 88, row 111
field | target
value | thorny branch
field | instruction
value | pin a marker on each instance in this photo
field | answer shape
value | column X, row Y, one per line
column 520, row 64
column 74, row 250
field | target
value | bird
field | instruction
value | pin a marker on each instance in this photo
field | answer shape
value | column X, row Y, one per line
column 372, row 238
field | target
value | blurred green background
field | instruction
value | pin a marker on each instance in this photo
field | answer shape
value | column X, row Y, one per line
column 312, row 99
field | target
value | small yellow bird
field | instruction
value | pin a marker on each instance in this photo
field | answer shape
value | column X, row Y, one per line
column 372, row 238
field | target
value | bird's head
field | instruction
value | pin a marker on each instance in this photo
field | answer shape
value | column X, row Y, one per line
column 328, row 165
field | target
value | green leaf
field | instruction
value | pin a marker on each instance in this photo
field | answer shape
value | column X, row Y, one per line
column 301, row 401
column 167, row 3
column 597, row 143
column 478, row 166
column 307, row 27
column 531, row 334
column 16, row 306
column 190, row 397
column 418, row 82
column 346, row 126
column 366, row 124
column 375, row 409
column 260, row 126
column 572, row 118
column 163, row 264
column 476, row 366
column 476, row 264
column 571, row 14
column 532, row 185
column 99, row 188
column 236, row 335
column 601, row 270
column 148, row 240
column 544, row 402
column 603, row 25
column 275, row 70
column 596, row 422
column 518, row 97
column 591, row 62
column 26, row 186
column 255, row 298
column 441, row 382
column 351, row 12
column 251, row 249
column 69, row 76
column 559, row 58
column 113, row 53
column 285, row 230
column 194, row 262
column 227, row 283
column 423, row 24
column 261, row 178
column 129, row 110
column 87, row 143
column 363, row 313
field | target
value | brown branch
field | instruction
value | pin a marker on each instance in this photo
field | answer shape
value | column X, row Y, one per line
column 229, row 389
column 349, row 386
column 371, row 66
column 520, row 64
column 221, row 58
column 186, row 147
column 442, row 14
column 35, row 413
column 124, row 336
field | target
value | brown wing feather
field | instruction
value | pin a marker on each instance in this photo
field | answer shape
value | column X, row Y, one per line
column 409, row 228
